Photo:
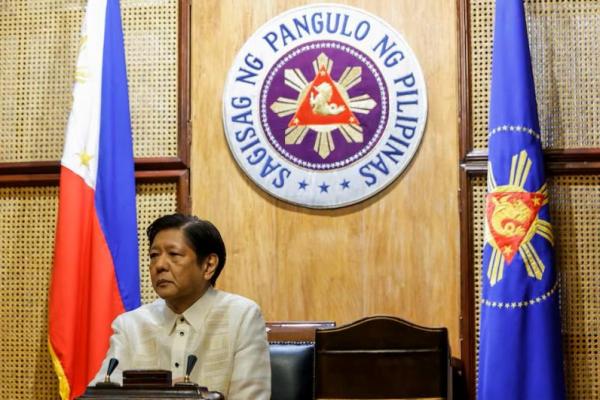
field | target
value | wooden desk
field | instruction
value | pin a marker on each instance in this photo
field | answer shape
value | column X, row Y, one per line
column 148, row 384
column 128, row 393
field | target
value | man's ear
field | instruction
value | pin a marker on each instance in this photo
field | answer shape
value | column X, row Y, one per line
column 210, row 266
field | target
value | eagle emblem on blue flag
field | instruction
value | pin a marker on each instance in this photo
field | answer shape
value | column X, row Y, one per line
column 512, row 219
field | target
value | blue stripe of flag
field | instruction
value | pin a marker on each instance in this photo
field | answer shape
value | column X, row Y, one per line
column 115, row 185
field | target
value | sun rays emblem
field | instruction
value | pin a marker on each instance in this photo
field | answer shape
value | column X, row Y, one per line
column 512, row 220
column 324, row 106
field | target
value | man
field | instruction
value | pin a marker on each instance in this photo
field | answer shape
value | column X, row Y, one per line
column 225, row 331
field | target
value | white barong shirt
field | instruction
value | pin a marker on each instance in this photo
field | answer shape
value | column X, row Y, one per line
column 225, row 331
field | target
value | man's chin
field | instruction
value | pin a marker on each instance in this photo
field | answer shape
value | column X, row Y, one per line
column 165, row 291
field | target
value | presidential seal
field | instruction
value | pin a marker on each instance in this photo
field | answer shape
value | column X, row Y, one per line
column 324, row 106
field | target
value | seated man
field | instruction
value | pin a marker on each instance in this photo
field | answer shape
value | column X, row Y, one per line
column 225, row 331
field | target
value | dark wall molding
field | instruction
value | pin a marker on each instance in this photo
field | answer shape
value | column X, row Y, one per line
column 467, row 167
column 184, row 122
column 562, row 162
column 180, row 177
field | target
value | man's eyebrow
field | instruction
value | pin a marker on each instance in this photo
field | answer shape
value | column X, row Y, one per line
column 169, row 245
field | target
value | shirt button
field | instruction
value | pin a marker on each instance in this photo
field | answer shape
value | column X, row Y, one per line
column 176, row 365
column 182, row 319
column 181, row 333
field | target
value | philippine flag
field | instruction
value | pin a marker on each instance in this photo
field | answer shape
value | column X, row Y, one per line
column 95, row 275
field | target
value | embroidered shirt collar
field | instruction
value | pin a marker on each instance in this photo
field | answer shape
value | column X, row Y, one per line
column 194, row 315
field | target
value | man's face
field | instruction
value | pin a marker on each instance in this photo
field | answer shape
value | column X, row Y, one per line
column 176, row 273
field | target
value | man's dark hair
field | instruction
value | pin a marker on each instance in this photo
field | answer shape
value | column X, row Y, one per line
column 202, row 236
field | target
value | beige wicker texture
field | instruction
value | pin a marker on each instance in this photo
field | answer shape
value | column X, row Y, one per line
column 150, row 29
column 39, row 42
column 575, row 210
column 27, row 223
column 478, row 201
column 153, row 200
column 564, row 44
column 481, row 19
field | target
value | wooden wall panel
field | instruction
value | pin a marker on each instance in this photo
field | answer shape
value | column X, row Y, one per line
column 396, row 253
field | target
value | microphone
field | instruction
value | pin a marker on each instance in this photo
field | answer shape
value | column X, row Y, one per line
column 191, row 361
column 202, row 390
column 112, row 364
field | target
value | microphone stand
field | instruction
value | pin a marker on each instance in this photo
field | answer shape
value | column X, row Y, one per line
column 112, row 364
column 203, row 390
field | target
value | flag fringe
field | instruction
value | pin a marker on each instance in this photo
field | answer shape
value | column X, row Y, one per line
column 63, row 382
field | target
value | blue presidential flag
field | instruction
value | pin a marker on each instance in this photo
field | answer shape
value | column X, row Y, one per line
column 520, row 342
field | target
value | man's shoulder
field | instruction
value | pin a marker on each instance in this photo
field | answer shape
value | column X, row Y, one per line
column 236, row 301
column 150, row 312
column 242, row 313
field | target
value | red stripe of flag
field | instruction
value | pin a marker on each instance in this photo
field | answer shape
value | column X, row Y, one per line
column 80, row 317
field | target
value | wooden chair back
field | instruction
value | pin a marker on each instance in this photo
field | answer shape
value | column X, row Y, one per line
column 382, row 357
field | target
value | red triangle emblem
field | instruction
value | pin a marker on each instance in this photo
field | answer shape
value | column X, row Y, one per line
column 323, row 104
column 510, row 216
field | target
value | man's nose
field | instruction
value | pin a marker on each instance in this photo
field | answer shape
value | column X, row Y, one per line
column 160, row 263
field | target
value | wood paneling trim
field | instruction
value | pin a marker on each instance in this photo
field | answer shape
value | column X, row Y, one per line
column 476, row 156
column 464, row 90
column 20, row 180
column 184, row 198
column 184, row 95
column 467, row 291
column 561, row 162
column 573, row 161
column 54, row 177
column 573, row 155
column 160, row 176
column 37, row 167
column 566, row 155
column 574, row 168
column 53, row 167
column 159, row 163
column 467, row 167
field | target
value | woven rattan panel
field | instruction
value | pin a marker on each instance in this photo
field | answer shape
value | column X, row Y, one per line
column 575, row 209
column 481, row 19
column 575, row 205
column 153, row 201
column 39, row 42
column 565, row 53
column 27, row 222
column 478, row 201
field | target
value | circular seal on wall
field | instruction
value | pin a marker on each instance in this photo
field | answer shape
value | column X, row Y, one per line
column 324, row 106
